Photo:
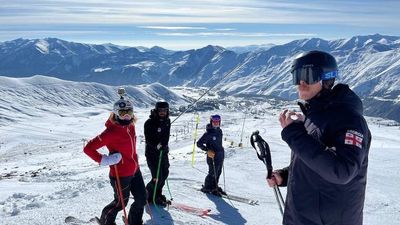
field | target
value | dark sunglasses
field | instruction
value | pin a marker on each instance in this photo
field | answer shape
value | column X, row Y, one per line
column 311, row 75
column 163, row 110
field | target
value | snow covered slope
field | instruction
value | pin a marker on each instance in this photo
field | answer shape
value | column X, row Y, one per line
column 45, row 176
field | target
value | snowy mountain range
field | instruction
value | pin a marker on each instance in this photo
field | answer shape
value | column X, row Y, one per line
column 369, row 64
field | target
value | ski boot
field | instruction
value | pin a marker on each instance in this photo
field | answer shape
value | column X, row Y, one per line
column 221, row 191
column 100, row 221
column 162, row 201
column 216, row 192
column 205, row 190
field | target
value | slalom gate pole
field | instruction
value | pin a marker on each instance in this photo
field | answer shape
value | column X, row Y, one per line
column 195, row 138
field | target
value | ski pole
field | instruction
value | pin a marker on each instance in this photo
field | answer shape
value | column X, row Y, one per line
column 223, row 172
column 156, row 182
column 278, row 195
column 264, row 154
column 169, row 190
column 121, row 197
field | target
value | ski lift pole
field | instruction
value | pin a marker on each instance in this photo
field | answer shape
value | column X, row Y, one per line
column 195, row 137
column 241, row 135
column 264, row 154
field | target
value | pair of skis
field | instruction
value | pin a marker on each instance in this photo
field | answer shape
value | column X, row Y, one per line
column 235, row 198
column 202, row 212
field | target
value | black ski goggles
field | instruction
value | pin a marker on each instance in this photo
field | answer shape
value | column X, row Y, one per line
column 311, row 75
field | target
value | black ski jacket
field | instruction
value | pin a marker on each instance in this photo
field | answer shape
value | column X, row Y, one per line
column 327, row 175
column 211, row 140
column 156, row 132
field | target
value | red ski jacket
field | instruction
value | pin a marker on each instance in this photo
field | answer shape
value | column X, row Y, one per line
column 116, row 138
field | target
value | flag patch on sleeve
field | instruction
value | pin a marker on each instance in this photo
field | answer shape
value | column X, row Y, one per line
column 353, row 137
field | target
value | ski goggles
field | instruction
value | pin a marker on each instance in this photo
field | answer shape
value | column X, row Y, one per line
column 126, row 114
column 311, row 75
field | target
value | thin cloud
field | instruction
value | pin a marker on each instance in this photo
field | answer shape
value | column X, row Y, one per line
column 172, row 28
column 225, row 29
column 236, row 34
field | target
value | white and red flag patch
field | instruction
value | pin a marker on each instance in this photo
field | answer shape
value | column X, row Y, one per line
column 353, row 137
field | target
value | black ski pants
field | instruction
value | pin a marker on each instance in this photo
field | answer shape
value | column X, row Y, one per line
column 132, row 184
column 214, row 171
column 152, row 162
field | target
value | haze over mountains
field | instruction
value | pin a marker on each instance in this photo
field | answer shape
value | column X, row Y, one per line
column 369, row 64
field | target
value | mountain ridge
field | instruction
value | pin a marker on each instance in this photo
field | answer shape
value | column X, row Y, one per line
column 369, row 64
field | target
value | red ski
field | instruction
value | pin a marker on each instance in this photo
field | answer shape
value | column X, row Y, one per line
column 190, row 209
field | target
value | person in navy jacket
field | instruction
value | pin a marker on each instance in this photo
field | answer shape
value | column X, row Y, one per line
column 329, row 143
column 120, row 139
column 211, row 142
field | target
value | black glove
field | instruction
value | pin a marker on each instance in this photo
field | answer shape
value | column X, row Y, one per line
column 162, row 147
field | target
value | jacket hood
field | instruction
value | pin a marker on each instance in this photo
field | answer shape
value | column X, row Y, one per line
column 340, row 96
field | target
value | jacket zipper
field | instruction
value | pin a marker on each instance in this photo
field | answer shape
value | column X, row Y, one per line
column 130, row 138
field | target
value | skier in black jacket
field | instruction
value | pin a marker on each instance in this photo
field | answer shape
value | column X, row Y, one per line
column 330, row 141
column 211, row 142
column 156, row 132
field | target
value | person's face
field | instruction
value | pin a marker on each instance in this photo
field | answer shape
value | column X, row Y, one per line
column 308, row 91
column 162, row 112
column 215, row 123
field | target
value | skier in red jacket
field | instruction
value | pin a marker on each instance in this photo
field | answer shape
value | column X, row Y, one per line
column 120, row 139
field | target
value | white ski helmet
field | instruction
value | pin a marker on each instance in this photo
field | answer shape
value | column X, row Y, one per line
column 123, row 109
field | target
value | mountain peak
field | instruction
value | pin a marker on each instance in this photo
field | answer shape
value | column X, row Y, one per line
column 160, row 50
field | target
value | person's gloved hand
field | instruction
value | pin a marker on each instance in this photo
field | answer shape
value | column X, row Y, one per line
column 162, row 147
column 109, row 160
column 276, row 179
column 211, row 153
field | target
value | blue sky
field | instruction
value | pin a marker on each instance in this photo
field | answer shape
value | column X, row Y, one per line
column 184, row 24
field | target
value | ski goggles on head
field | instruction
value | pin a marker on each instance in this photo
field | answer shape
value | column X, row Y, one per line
column 311, row 75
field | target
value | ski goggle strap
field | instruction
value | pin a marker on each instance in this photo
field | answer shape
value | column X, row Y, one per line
column 215, row 118
column 311, row 75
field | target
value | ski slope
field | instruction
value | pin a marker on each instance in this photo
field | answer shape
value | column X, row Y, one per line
column 45, row 176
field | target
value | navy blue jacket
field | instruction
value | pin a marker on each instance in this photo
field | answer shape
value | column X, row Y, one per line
column 327, row 175
column 212, row 140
